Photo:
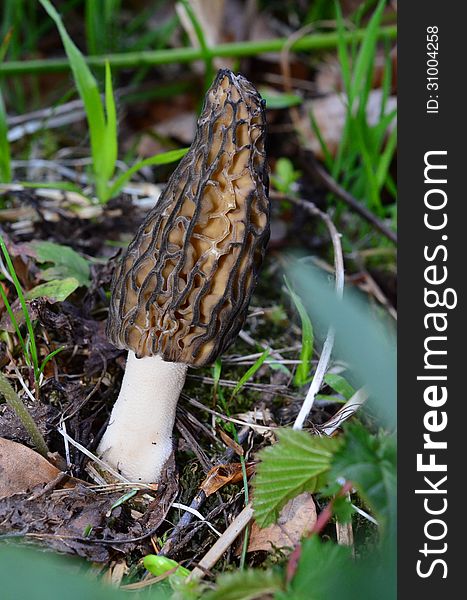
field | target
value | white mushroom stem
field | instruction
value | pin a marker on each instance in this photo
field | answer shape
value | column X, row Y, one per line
column 138, row 439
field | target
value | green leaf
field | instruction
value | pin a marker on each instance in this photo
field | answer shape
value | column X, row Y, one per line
column 284, row 176
column 158, row 565
column 351, row 320
column 5, row 159
column 319, row 564
column 369, row 462
column 340, row 385
column 245, row 585
column 297, row 463
column 110, row 151
column 56, row 290
column 250, row 372
column 275, row 100
column 306, row 353
column 164, row 158
column 342, row 509
column 67, row 263
column 327, row 571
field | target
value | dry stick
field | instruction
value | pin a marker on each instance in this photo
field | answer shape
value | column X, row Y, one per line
column 197, row 501
column 13, row 400
column 223, row 543
column 329, row 342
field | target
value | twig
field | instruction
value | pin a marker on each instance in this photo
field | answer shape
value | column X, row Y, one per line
column 15, row 402
column 197, row 501
column 56, row 481
column 329, row 342
column 30, row 127
column 92, row 456
column 223, row 543
column 344, row 534
column 195, row 513
column 258, row 428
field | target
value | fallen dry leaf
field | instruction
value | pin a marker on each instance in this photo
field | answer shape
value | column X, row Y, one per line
column 296, row 519
column 77, row 520
column 221, row 475
column 230, row 443
column 21, row 468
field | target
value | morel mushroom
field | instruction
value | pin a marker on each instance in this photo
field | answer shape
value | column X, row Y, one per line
column 181, row 291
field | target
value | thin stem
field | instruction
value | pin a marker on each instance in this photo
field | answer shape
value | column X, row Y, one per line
column 23, row 415
column 207, row 57
column 31, row 348
column 316, row 41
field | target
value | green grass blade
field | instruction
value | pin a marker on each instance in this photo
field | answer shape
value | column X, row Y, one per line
column 328, row 160
column 14, row 322
column 24, row 308
column 110, row 133
column 366, row 55
column 251, row 371
column 164, row 158
column 5, row 157
column 50, row 356
column 91, row 29
column 386, row 159
column 89, row 93
column 342, row 52
column 207, row 57
column 373, row 197
column 301, row 376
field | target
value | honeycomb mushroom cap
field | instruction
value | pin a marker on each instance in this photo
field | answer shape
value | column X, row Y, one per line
column 182, row 288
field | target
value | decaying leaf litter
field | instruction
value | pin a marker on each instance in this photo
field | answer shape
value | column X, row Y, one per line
column 217, row 425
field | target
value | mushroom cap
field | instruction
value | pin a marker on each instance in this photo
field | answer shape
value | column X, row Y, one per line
column 182, row 288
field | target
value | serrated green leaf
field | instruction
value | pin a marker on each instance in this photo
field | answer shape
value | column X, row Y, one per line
column 250, row 372
column 340, row 385
column 369, row 462
column 56, row 290
column 67, row 263
column 297, row 463
column 245, row 585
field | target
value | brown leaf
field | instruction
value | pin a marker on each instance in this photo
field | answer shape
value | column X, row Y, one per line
column 229, row 442
column 21, row 468
column 221, row 475
column 296, row 519
column 82, row 521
